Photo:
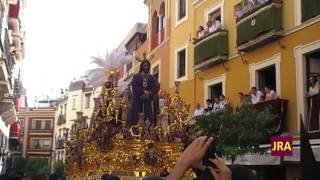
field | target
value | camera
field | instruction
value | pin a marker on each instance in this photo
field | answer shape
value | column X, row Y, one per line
column 210, row 154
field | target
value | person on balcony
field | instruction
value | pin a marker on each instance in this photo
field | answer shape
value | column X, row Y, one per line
column 260, row 2
column 209, row 106
column 270, row 94
column 199, row 111
column 200, row 33
column 222, row 101
column 314, row 87
column 256, row 95
column 241, row 98
column 247, row 6
column 238, row 11
column 217, row 24
column 216, row 105
column 210, row 27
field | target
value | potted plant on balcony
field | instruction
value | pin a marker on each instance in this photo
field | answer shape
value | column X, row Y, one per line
column 238, row 132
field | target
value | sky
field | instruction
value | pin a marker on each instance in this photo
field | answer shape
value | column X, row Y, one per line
column 62, row 35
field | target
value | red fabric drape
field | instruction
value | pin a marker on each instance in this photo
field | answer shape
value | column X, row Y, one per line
column 14, row 10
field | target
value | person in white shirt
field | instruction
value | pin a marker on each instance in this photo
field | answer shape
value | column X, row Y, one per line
column 238, row 11
column 210, row 27
column 247, row 6
column 314, row 87
column 216, row 104
column 199, row 111
column 217, row 25
column 222, row 101
column 201, row 32
column 256, row 95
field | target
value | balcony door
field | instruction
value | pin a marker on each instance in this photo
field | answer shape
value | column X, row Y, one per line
column 313, row 101
column 267, row 77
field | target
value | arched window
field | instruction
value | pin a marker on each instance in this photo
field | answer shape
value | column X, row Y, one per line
column 162, row 15
column 155, row 23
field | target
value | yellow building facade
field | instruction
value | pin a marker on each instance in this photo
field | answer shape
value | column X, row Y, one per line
column 239, row 72
column 277, row 43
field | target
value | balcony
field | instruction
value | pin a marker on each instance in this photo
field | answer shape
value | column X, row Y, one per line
column 313, row 123
column 40, row 148
column 5, row 73
column 309, row 9
column 279, row 109
column 260, row 27
column 7, row 110
column 211, row 50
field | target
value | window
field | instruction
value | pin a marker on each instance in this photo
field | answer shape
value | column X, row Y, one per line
column 182, row 9
column 313, row 73
column 40, row 144
column 41, row 125
column 266, row 73
column 181, row 63
column 215, row 18
column 37, row 124
column 73, row 103
column 214, row 91
column 87, row 101
column 214, row 87
column 267, row 77
column 215, row 12
column 47, row 125
column 301, row 53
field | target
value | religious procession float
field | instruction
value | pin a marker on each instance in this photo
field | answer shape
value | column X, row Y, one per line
column 129, row 137
column 111, row 144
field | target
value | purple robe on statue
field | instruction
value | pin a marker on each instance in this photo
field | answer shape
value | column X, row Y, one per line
column 146, row 105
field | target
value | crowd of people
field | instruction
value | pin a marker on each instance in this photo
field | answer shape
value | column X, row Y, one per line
column 255, row 96
column 213, row 25
column 247, row 6
column 219, row 103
